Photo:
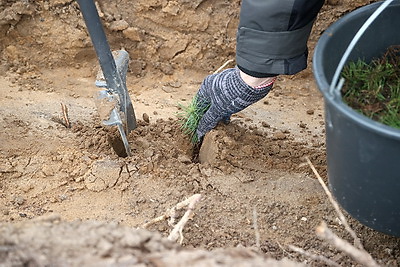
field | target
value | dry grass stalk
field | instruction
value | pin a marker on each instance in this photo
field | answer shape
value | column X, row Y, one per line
column 313, row 256
column 64, row 110
column 357, row 241
column 361, row 256
column 357, row 251
column 223, row 66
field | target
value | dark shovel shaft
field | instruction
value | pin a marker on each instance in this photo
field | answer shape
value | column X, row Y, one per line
column 106, row 60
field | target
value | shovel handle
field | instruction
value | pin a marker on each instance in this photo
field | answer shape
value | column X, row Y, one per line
column 100, row 43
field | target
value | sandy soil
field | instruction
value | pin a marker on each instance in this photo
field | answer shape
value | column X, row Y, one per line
column 256, row 163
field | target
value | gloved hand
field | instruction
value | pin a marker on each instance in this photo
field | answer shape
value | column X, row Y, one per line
column 226, row 93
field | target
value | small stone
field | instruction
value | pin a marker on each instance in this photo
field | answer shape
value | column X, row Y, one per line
column 119, row 25
column 19, row 200
column 63, row 197
column 26, row 187
column 146, row 117
column 266, row 125
column 137, row 67
column 167, row 129
column 176, row 84
column 303, row 125
column 133, row 34
column 206, row 171
column 166, row 68
column 279, row 136
column 310, row 112
column 12, row 52
column 171, row 8
column 168, row 89
column 184, row 159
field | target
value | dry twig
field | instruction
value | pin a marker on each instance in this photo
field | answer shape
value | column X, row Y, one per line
column 223, row 66
column 64, row 110
column 357, row 242
column 357, row 251
column 359, row 255
column 313, row 256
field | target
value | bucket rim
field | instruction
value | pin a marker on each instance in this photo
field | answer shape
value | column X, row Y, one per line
column 363, row 120
column 324, row 86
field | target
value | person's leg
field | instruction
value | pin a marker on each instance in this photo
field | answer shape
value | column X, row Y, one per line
column 272, row 36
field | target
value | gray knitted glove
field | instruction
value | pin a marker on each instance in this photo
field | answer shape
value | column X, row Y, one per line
column 226, row 93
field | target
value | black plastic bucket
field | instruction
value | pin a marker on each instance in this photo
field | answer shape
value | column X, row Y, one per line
column 363, row 155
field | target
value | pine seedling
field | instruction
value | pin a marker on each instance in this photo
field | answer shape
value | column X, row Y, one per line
column 190, row 117
column 373, row 88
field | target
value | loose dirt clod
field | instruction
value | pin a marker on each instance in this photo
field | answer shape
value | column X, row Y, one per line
column 209, row 149
column 146, row 117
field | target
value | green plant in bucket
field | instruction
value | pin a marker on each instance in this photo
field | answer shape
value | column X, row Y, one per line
column 190, row 116
column 373, row 88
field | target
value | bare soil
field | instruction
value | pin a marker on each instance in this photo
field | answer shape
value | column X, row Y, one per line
column 256, row 163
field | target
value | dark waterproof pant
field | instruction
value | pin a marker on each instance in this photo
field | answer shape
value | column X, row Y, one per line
column 272, row 35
